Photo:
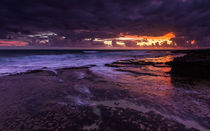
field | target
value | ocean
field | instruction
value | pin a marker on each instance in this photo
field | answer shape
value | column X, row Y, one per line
column 17, row 61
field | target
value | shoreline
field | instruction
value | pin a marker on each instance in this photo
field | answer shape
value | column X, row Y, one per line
column 78, row 99
column 54, row 98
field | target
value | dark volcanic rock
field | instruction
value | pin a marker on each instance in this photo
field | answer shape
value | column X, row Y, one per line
column 194, row 64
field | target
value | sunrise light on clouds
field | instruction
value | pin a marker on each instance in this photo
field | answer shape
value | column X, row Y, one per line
column 13, row 43
column 140, row 41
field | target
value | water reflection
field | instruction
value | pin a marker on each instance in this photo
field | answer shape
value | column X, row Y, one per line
column 151, row 77
column 163, row 59
column 150, row 80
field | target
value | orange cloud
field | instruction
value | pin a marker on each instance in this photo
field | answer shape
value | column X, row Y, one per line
column 136, row 37
column 193, row 42
column 12, row 43
column 149, row 40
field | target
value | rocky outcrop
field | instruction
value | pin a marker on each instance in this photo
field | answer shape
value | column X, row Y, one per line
column 194, row 64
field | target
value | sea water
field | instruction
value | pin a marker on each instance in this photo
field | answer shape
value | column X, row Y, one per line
column 16, row 61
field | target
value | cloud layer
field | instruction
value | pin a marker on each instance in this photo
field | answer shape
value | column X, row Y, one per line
column 79, row 19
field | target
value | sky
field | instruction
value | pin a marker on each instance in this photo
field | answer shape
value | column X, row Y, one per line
column 105, row 23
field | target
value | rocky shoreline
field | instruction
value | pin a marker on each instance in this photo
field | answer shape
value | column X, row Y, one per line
column 71, row 99
column 195, row 64
column 78, row 99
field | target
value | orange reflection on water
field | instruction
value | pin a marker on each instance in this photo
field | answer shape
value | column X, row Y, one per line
column 153, row 86
column 158, row 86
column 163, row 59
column 152, row 80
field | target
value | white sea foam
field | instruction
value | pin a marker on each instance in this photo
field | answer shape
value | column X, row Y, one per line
column 14, row 64
column 33, row 62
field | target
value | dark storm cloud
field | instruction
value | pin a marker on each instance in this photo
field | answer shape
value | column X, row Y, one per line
column 188, row 19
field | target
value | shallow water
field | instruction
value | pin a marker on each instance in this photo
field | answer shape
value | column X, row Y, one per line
column 151, row 86
column 185, row 101
column 21, row 61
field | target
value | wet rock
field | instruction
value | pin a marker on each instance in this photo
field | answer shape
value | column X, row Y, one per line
column 195, row 64
column 131, row 120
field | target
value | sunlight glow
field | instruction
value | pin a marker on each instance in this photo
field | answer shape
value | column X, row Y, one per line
column 12, row 43
column 141, row 41
column 108, row 43
column 120, row 43
column 193, row 42
column 150, row 40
